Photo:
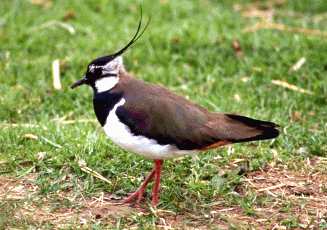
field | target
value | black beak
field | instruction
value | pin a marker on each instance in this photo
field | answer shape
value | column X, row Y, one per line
column 81, row 81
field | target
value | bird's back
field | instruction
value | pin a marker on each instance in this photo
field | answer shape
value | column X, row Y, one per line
column 158, row 113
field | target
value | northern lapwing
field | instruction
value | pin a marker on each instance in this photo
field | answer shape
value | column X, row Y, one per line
column 157, row 123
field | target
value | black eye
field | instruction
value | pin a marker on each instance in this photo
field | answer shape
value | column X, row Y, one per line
column 94, row 70
column 98, row 71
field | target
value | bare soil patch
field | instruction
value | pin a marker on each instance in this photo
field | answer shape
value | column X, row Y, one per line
column 283, row 198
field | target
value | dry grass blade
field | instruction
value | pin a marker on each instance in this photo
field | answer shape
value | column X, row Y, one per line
column 297, row 65
column 79, row 121
column 67, row 115
column 68, row 122
column 56, row 75
column 290, row 86
column 222, row 210
column 53, row 22
column 45, row 3
column 82, row 164
column 272, row 187
column 6, row 125
column 51, row 142
column 264, row 14
column 274, row 26
column 96, row 174
column 31, row 136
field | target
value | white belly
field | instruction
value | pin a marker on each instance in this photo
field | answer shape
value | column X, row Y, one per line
column 121, row 135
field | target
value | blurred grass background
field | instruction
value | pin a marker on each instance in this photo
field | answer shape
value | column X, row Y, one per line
column 187, row 48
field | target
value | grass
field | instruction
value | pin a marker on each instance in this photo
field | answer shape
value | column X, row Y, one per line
column 188, row 49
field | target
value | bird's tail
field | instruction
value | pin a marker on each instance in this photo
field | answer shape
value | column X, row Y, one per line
column 253, row 130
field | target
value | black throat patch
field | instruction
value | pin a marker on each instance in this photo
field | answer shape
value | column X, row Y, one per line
column 103, row 103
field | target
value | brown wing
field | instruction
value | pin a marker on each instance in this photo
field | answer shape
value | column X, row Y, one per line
column 231, row 128
column 158, row 113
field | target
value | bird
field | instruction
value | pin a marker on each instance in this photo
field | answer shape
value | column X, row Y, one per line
column 157, row 123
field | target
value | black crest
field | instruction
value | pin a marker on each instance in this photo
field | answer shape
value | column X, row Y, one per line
column 98, row 66
column 135, row 38
column 103, row 60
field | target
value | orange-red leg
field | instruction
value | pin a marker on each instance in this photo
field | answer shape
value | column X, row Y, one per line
column 157, row 168
column 140, row 191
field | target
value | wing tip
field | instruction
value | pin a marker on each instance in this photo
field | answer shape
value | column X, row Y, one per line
column 269, row 129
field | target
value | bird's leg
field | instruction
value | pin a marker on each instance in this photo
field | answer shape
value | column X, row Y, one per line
column 140, row 191
column 157, row 169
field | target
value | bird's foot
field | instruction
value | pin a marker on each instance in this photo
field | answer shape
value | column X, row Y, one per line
column 139, row 193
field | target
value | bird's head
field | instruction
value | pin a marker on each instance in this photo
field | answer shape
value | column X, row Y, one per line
column 102, row 74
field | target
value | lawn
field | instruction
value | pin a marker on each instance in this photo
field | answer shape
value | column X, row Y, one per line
column 262, row 59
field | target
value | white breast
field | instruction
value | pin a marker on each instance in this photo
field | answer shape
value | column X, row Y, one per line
column 121, row 135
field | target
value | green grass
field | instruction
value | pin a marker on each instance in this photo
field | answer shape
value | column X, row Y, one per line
column 186, row 48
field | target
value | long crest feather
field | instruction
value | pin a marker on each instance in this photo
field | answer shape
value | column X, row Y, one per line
column 135, row 38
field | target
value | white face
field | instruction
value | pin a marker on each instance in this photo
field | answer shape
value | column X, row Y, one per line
column 110, row 68
column 106, row 83
column 110, row 74
column 113, row 66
